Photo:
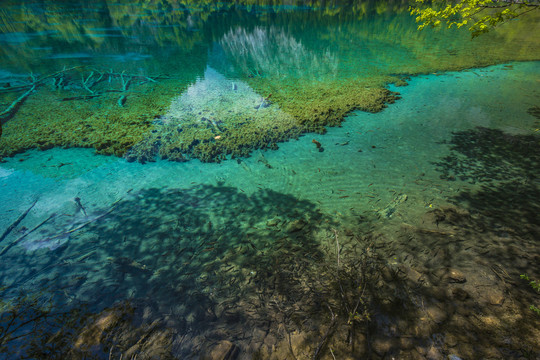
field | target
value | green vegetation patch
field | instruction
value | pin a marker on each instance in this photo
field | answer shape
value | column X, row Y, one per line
column 62, row 118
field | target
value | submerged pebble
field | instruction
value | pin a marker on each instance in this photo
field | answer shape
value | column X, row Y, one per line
column 295, row 225
column 456, row 276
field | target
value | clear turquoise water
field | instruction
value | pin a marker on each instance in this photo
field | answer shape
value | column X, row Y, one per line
column 186, row 258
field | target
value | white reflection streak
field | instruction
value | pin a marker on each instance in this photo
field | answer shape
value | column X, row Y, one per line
column 272, row 52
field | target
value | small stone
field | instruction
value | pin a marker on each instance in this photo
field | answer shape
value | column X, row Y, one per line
column 413, row 355
column 406, row 343
column 495, row 297
column 387, row 274
column 439, row 293
column 421, row 350
column 460, row 294
column 272, row 222
column 270, row 340
column 450, row 340
column 296, row 225
column 434, row 354
column 436, row 314
column 411, row 273
column 381, row 345
column 224, row 350
column 424, row 327
column 456, row 276
column 258, row 335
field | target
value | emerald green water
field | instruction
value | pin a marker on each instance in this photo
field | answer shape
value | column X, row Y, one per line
column 248, row 181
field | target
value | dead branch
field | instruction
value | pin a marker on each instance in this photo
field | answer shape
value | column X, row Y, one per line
column 16, row 222
column 323, row 341
column 7, row 247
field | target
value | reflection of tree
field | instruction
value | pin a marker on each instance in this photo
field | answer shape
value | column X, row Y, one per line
column 271, row 52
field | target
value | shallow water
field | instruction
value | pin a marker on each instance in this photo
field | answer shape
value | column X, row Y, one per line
column 401, row 233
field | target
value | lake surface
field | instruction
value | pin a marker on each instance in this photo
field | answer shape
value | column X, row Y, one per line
column 249, row 181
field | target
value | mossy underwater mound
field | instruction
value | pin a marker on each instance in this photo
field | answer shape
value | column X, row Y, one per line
column 217, row 118
column 214, row 118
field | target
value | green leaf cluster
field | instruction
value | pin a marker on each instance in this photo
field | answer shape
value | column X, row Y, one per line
column 481, row 15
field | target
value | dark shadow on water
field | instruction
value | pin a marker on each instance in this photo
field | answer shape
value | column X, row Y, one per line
column 508, row 169
column 486, row 155
column 204, row 261
column 469, row 257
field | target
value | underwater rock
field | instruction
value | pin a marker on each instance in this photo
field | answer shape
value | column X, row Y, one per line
column 456, row 276
column 273, row 222
column 459, row 294
column 450, row 340
column 224, row 350
column 381, row 345
column 295, row 226
column 434, row 354
column 494, row 297
column 436, row 314
column 387, row 274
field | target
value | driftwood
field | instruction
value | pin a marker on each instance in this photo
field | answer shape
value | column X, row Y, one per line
column 87, row 83
column 14, row 104
column 32, row 86
column 16, row 222
column 7, row 247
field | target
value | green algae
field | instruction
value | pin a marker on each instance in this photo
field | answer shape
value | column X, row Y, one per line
column 312, row 67
column 45, row 122
column 214, row 118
